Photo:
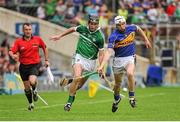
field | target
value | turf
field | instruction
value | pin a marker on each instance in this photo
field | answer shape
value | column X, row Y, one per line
column 157, row 103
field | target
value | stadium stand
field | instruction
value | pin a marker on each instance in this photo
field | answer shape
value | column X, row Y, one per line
column 68, row 13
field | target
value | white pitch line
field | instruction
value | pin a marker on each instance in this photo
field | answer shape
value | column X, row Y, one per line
column 108, row 89
column 42, row 99
column 152, row 95
column 102, row 101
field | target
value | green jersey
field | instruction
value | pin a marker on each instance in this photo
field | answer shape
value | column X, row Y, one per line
column 89, row 42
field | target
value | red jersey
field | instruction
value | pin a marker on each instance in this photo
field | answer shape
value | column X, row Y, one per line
column 28, row 50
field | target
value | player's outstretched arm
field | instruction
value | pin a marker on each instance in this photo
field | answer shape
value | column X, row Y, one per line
column 107, row 55
column 146, row 40
column 59, row 36
column 101, row 56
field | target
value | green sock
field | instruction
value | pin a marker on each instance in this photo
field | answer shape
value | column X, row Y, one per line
column 71, row 99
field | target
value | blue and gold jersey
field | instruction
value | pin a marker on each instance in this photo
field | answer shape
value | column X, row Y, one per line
column 123, row 43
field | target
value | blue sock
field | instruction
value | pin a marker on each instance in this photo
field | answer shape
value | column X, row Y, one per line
column 131, row 94
column 116, row 97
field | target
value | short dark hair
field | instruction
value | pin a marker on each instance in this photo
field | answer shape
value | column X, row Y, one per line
column 94, row 18
column 28, row 24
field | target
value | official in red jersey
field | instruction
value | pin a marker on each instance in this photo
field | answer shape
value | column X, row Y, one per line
column 26, row 50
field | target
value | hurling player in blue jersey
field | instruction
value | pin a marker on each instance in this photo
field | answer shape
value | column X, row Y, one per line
column 121, row 41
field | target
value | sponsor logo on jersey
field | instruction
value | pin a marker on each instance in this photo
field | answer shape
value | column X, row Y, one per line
column 22, row 48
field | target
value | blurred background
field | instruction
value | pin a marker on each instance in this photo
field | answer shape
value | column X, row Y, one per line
column 160, row 20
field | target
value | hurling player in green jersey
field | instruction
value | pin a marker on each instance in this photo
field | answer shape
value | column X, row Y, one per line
column 90, row 47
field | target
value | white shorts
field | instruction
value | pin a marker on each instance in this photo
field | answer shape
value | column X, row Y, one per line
column 120, row 63
column 87, row 64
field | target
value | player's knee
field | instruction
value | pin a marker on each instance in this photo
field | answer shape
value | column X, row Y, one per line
column 78, row 81
column 130, row 74
column 27, row 86
column 27, row 91
column 75, row 82
column 33, row 83
column 32, row 80
column 78, row 87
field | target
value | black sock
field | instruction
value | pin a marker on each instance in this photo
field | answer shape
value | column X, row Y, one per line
column 28, row 94
column 70, row 81
column 34, row 86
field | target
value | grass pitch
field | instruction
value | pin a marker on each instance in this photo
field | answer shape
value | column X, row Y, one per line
column 157, row 103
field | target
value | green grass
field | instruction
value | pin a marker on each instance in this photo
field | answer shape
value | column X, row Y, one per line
column 157, row 103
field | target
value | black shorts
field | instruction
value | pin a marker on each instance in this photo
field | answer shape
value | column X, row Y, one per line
column 27, row 70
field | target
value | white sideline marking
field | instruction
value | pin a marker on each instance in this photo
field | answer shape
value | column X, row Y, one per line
column 62, row 104
column 108, row 89
column 152, row 95
column 42, row 99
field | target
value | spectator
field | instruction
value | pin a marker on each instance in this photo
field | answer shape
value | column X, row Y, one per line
column 138, row 16
column 60, row 7
column 79, row 20
column 171, row 10
column 70, row 10
column 92, row 9
column 1, row 65
column 50, row 9
column 41, row 12
column 4, row 48
column 103, row 19
column 162, row 16
column 177, row 12
column 97, row 2
column 154, row 33
column 77, row 6
column 148, row 34
column 2, row 2
column 57, row 18
column 152, row 13
column 178, row 41
column 163, row 3
column 123, row 12
column 136, row 4
column 146, row 5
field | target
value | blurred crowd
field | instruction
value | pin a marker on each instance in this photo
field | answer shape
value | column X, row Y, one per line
column 69, row 13
column 75, row 11
column 7, row 64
